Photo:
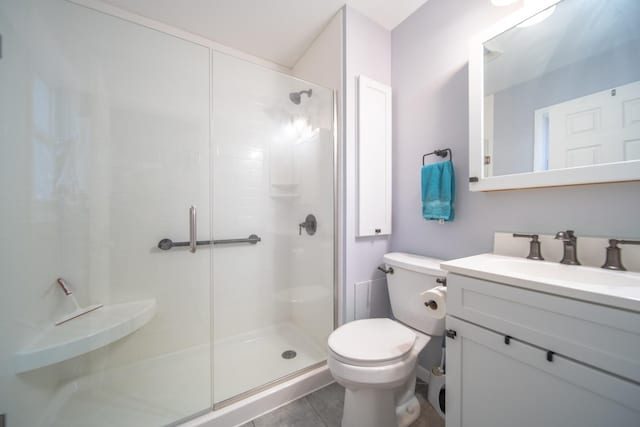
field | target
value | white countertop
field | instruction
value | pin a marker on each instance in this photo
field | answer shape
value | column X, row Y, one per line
column 620, row 289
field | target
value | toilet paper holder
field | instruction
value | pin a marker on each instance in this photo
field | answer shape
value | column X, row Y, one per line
column 431, row 304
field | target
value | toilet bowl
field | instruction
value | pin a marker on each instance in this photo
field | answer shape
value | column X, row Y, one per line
column 375, row 360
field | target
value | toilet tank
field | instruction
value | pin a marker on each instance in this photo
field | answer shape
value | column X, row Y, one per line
column 412, row 275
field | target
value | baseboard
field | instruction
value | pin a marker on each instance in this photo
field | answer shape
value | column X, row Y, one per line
column 423, row 374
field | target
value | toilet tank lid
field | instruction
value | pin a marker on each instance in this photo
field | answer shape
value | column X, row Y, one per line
column 417, row 263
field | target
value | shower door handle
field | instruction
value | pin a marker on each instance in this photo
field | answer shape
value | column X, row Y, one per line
column 166, row 244
column 193, row 232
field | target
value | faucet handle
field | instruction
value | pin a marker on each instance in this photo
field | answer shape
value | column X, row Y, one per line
column 624, row 242
column 534, row 246
column 528, row 236
column 565, row 235
column 613, row 260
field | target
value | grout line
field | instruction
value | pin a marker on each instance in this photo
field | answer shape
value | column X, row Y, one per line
column 315, row 411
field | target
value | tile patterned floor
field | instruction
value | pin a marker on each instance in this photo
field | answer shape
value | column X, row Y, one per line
column 323, row 408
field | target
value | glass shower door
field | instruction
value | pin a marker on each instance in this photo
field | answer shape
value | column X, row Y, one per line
column 273, row 145
column 104, row 128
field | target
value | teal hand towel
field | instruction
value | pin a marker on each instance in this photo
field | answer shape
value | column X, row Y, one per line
column 438, row 191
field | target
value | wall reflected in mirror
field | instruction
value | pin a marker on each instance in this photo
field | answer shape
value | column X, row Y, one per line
column 562, row 89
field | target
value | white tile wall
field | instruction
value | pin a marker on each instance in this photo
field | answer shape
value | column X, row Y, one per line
column 272, row 166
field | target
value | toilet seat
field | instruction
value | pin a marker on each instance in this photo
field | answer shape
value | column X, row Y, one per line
column 372, row 342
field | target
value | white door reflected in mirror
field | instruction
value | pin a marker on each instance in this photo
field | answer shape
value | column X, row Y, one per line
column 600, row 128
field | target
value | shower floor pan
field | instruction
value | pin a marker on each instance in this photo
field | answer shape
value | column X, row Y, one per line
column 161, row 390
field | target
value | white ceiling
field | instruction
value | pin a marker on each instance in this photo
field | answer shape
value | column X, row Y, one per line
column 576, row 31
column 276, row 30
column 385, row 12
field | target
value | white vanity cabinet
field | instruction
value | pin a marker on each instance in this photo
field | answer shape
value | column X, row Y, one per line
column 525, row 358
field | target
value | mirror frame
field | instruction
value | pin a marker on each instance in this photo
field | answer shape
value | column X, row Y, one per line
column 610, row 172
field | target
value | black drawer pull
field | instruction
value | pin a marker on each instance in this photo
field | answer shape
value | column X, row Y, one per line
column 550, row 356
column 507, row 339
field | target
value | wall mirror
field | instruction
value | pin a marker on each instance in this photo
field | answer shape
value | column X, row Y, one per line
column 555, row 96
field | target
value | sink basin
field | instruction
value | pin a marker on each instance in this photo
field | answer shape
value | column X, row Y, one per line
column 552, row 271
column 619, row 289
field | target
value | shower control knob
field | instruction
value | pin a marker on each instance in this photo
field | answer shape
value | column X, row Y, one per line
column 310, row 225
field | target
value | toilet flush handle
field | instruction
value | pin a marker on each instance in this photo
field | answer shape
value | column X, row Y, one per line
column 385, row 270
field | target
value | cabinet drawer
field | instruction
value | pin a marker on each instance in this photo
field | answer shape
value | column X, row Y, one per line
column 601, row 336
column 491, row 383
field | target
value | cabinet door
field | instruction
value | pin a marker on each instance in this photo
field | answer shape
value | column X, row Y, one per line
column 491, row 384
column 374, row 158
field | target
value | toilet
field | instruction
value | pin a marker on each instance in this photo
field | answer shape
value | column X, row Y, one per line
column 375, row 360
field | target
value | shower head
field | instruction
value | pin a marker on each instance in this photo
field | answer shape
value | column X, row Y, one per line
column 296, row 97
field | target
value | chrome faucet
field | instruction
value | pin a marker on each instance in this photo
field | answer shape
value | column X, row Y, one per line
column 570, row 241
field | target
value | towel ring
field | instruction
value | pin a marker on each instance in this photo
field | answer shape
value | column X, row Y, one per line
column 441, row 153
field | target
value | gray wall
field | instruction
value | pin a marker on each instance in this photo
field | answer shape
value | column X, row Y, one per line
column 367, row 52
column 429, row 76
column 429, row 79
column 514, row 107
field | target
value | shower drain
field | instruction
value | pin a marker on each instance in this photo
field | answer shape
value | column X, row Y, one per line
column 289, row 354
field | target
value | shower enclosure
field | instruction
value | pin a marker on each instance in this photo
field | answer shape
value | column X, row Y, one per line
column 172, row 185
